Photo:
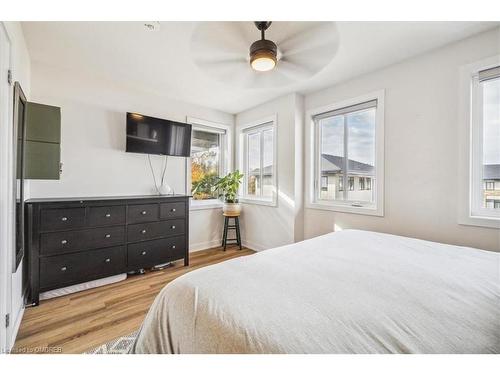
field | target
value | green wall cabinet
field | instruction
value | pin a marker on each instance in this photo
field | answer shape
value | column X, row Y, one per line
column 42, row 150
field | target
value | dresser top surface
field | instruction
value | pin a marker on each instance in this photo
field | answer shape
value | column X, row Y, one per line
column 106, row 198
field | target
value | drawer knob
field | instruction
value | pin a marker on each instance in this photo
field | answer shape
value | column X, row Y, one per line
column 143, row 231
column 143, row 253
column 107, row 235
column 143, row 212
column 63, row 269
column 108, row 215
column 173, row 210
column 64, row 242
column 173, row 246
column 173, row 227
column 64, row 218
column 107, row 260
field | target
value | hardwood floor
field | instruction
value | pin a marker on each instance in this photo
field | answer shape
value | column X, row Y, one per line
column 80, row 321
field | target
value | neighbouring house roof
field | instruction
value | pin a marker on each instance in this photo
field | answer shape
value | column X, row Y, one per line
column 491, row 172
column 268, row 170
column 331, row 164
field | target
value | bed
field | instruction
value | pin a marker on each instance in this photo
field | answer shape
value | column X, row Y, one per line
column 345, row 292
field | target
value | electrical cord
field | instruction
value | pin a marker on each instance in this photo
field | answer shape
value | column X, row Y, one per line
column 153, row 173
column 165, row 161
column 164, row 170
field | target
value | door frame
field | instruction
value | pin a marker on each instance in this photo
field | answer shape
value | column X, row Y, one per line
column 6, row 190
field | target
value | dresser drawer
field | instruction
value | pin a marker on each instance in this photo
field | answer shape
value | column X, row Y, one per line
column 109, row 215
column 172, row 210
column 149, row 231
column 68, row 269
column 65, row 242
column 141, row 213
column 62, row 218
column 150, row 253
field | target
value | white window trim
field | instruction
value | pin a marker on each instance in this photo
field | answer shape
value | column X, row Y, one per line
column 311, row 147
column 226, row 149
column 242, row 160
column 468, row 133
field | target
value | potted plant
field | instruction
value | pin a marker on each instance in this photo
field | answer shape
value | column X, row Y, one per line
column 227, row 188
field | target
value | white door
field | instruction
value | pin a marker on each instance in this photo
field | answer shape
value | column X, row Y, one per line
column 6, row 181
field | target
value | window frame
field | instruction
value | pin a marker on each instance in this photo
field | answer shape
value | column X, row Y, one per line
column 225, row 159
column 243, row 132
column 470, row 147
column 313, row 158
column 477, row 185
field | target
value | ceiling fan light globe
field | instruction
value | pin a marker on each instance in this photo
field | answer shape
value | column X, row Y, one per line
column 263, row 63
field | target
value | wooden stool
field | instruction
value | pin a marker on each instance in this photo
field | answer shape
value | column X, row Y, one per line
column 236, row 226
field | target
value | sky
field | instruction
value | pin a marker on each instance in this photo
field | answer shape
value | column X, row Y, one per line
column 491, row 118
column 361, row 136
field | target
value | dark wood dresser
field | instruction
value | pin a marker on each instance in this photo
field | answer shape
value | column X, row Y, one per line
column 74, row 240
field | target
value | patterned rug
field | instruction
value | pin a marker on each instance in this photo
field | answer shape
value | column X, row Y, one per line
column 121, row 345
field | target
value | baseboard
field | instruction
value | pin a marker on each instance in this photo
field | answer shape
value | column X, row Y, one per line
column 253, row 246
column 217, row 243
column 204, row 245
column 15, row 328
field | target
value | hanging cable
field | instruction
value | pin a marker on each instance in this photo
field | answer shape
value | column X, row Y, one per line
column 164, row 170
column 153, row 173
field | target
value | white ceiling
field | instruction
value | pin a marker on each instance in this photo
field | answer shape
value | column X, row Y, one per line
column 162, row 61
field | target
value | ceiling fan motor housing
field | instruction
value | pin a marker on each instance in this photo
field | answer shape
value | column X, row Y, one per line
column 263, row 48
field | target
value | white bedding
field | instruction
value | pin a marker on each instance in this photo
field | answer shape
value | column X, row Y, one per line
column 345, row 292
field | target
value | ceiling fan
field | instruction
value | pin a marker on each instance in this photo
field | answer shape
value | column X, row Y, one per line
column 263, row 52
column 286, row 53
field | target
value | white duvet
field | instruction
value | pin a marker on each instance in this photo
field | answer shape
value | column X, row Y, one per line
column 345, row 292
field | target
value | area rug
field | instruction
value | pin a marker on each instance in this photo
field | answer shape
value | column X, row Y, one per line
column 121, row 345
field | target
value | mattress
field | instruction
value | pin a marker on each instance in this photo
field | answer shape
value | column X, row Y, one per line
column 345, row 292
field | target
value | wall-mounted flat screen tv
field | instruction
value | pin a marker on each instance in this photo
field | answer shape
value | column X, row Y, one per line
column 150, row 135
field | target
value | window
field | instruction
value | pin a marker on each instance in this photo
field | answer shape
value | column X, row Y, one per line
column 258, row 163
column 362, row 185
column 489, row 185
column 347, row 143
column 351, row 183
column 209, row 155
column 485, row 150
column 324, row 183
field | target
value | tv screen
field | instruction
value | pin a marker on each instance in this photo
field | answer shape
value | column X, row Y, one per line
column 150, row 135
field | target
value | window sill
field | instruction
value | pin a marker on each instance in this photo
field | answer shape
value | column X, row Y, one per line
column 261, row 202
column 368, row 210
column 209, row 204
column 478, row 221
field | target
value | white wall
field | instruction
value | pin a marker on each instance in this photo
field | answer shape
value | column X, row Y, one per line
column 93, row 141
column 20, row 66
column 421, row 147
column 262, row 226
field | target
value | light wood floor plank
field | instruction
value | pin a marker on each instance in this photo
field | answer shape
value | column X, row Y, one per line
column 83, row 320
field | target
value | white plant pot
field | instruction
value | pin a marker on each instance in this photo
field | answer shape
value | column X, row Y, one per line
column 231, row 209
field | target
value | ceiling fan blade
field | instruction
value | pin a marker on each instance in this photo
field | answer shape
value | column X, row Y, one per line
column 209, row 40
column 318, row 34
column 314, row 58
column 234, row 72
column 203, row 60
column 294, row 71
